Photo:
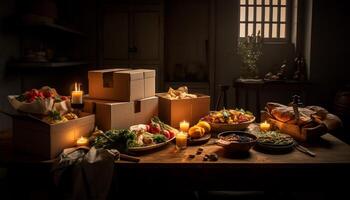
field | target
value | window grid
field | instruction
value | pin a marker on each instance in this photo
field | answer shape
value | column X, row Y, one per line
column 271, row 9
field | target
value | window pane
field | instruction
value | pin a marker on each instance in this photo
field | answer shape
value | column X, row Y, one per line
column 283, row 2
column 274, row 2
column 274, row 14
column 258, row 2
column 258, row 14
column 242, row 2
column 242, row 30
column 250, row 13
column 274, row 30
column 282, row 31
column 243, row 13
column 258, row 28
column 251, row 2
column 283, row 14
column 266, row 30
column 267, row 14
column 267, row 2
column 250, row 29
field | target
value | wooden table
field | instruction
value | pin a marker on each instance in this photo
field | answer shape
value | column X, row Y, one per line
column 254, row 171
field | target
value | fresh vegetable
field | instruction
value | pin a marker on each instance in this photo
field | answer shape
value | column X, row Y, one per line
column 43, row 93
column 116, row 139
column 159, row 138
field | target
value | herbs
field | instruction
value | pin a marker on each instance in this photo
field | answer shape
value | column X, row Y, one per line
column 159, row 138
column 275, row 138
column 250, row 50
column 116, row 139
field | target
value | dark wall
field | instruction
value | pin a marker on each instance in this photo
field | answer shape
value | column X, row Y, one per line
column 9, row 48
column 328, row 69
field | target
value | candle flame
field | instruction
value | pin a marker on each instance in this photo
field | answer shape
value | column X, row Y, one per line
column 76, row 86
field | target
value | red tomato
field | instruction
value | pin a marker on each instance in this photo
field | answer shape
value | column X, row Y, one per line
column 166, row 134
column 63, row 98
column 172, row 134
column 47, row 94
column 148, row 128
column 154, row 128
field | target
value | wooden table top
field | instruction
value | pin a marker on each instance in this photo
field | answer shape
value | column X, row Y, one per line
column 329, row 150
column 167, row 167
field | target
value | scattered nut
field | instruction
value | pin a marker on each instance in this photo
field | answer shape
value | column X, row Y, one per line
column 213, row 157
column 191, row 156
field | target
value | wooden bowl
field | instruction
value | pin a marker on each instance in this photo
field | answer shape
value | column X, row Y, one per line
column 239, row 147
column 221, row 127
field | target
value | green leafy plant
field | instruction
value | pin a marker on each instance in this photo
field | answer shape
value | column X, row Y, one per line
column 250, row 50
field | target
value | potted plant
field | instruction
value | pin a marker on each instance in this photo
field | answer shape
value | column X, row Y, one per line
column 250, row 50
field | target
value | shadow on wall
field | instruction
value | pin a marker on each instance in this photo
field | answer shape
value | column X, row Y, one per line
column 9, row 47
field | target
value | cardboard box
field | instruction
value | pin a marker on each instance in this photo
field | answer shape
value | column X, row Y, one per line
column 174, row 111
column 121, row 84
column 120, row 115
column 149, row 76
column 46, row 141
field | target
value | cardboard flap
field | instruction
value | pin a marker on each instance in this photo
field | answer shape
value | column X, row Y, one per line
column 132, row 74
column 147, row 73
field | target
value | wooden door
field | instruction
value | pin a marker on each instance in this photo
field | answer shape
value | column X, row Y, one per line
column 146, row 37
column 116, row 36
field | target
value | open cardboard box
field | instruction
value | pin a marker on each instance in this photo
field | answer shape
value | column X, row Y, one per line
column 174, row 111
column 121, row 84
column 46, row 141
column 118, row 115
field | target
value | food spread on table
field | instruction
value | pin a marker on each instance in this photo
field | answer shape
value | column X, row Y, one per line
column 229, row 116
column 275, row 138
column 134, row 126
column 235, row 138
column 140, row 135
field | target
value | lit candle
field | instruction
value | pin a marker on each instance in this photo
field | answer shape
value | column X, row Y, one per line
column 265, row 126
column 77, row 95
column 83, row 141
column 184, row 126
column 181, row 140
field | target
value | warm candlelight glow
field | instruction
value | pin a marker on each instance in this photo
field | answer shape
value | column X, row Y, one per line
column 265, row 126
column 77, row 94
column 181, row 140
column 82, row 141
column 184, row 126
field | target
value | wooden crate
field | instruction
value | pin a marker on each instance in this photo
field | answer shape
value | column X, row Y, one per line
column 300, row 133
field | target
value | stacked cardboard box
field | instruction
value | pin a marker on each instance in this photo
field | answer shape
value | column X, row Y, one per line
column 121, row 97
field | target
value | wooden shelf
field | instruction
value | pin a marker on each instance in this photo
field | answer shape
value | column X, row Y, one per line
column 46, row 64
column 53, row 26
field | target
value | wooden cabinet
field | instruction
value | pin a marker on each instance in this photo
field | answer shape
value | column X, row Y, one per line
column 132, row 35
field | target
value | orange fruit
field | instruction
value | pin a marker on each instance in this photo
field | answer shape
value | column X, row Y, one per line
column 196, row 132
column 205, row 125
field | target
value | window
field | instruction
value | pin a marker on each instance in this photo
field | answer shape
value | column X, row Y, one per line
column 270, row 17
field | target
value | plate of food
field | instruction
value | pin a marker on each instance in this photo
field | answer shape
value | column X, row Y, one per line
column 229, row 120
column 199, row 133
column 275, row 141
column 141, row 137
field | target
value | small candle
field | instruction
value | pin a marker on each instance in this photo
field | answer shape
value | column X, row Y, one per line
column 181, row 140
column 82, row 141
column 77, row 95
column 184, row 126
column 265, row 126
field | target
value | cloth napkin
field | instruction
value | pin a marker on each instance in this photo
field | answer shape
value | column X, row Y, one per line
column 83, row 173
